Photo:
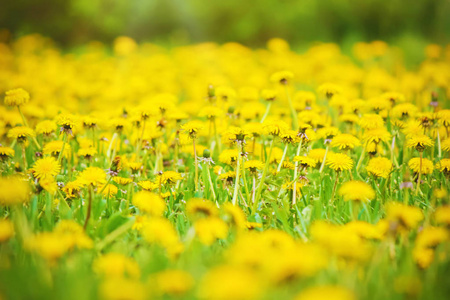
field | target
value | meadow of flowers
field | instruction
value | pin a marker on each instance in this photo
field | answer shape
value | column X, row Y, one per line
column 222, row 172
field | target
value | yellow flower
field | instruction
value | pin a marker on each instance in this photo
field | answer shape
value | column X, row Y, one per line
column 290, row 137
column 149, row 203
column 169, row 177
column 6, row 152
column 210, row 112
column 305, row 161
column 209, row 229
column 445, row 145
column 345, row 141
column 13, row 191
column 46, row 167
column 49, row 184
column 403, row 216
column 229, row 156
column 427, row 165
column 46, row 127
column 68, row 122
column 326, row 292
column 161, row 232
column 110, row 190
column 430, row 237
column 16, row 97
column 116, row 265
column 227, row 282
column 371, row 121
column 268, row 94
column 6, row 230
column 376, row 135
column 92, row 176
column 21, row 133
column 74, row 234
column 357, row 191
column 87, row 152
column 379, row 167
column 329, row 90
column 275, row 128
column 339, row 162
column 317, row 154
column 148, row 185
column 282, row 77
column 172, row 282
column 419, row 142
column 49, row 245
column 254, row 165
column 442, row 215
column 228, row 176
column 443, row 166
column 197, row 207
column 236, row 214
column 122, row 180
column 192, row 128
column 120, row 288
column 54, row 147
column 72, row 188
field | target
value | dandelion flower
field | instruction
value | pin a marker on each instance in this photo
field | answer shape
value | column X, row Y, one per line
column 356, row 190
column 46, row 167
column 92, row 176
column 427, row 165
column 16, row 97
column 13, row 191
column 379, row 167
column 149, row 203
column 419, row 142
column 345, row 141
column 339, row 162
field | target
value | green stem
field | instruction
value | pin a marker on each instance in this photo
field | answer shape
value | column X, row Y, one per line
column 282, row 158
column 88, row 214
column 261, row 183
column 324, row 159
column 237, row 181
column 294, row 192
column 420, row 173
column 60, row 155
column 267, row 112
column 196, row 165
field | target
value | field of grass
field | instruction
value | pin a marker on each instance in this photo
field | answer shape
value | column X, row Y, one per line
column 222, row 172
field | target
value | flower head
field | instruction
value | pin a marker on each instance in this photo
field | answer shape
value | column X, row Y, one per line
column 419, row 142
column 16, row 97
column 379, row 167
column 92, row 176
column 345, row 141
column 356, row 190
column 339, row 162
column 427, row 165
column 46, row 167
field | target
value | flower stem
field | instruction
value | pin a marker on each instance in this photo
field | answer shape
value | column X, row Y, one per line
column 26, row 124
column 261, row 183
column 267, row 111
column 294, row 192
column 88, row 214
column 282, row 158
column 420, row 173
column 60, row 155
column 196, row 165
column 237, row 182
column 323, row 160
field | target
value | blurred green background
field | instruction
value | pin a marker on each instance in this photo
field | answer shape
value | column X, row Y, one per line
column 251, row 22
